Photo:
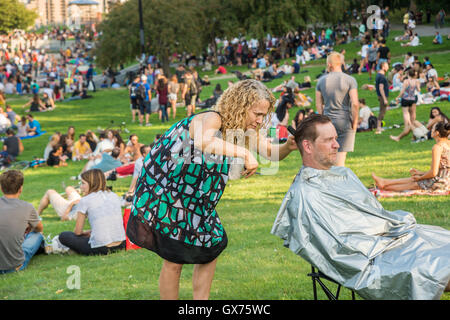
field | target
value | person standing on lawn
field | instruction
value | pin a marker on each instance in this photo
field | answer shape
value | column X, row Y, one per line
column 337, row 98
column 183, row 179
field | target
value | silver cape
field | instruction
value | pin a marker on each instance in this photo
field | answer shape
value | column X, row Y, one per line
column 333, row 221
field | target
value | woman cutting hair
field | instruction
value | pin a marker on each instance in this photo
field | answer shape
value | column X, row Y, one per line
column 183, row 179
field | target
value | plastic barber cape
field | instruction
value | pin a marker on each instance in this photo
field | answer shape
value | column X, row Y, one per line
column 331, row 219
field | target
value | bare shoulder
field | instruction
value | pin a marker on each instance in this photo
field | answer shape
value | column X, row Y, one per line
column 205, row 121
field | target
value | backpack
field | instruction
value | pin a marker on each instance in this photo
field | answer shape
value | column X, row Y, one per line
column 140, row 93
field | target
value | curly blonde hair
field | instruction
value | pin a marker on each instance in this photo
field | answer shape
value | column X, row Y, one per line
column 234, row 103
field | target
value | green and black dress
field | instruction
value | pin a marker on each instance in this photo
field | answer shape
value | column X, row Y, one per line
column 173, row 211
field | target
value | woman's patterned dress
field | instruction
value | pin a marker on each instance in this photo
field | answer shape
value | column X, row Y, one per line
column 173, row 211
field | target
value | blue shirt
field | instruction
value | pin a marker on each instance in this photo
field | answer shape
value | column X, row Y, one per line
column 147, row 89
column 261, row 63
column 439, row 39
column 107, row 163
column 35, row 124
column 299, row 50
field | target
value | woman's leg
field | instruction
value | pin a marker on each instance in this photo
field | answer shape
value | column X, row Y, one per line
column 79, row 244
column 169, row 280
column 395, row 184
column 45, row 201
column 412, row 114
column 202, row 279
column 174, row 108
column 407, row 124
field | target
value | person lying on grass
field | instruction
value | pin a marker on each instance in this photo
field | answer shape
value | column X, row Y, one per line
column 437, row 178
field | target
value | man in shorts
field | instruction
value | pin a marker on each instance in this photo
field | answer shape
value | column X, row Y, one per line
column 337, row 98
column 145, row 106
column 134, row 104
column 382, row 89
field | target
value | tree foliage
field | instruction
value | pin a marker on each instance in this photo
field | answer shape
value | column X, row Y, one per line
column 14, row 15
column 169, row 26
column 191, row 25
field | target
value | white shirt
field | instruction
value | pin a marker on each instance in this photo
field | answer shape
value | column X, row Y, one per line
column 364, row 50
column 364, row 114
column 138, row 167
column 415, row 41
column 103, row 145
column 432, row 73
column 104, row 212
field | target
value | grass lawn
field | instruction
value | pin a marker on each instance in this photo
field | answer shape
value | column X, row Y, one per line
column 255, row 265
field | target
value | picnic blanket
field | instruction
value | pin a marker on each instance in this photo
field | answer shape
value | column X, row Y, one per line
column 408, row 193
column 35, row 136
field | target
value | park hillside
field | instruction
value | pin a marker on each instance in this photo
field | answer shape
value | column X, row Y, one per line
column 255, row 264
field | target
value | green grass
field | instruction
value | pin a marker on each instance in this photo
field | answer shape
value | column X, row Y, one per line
column 255, row 264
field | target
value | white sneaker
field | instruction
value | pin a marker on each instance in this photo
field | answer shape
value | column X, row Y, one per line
column 148, row 124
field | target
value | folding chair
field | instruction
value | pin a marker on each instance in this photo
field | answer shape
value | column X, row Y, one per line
column 317, row 276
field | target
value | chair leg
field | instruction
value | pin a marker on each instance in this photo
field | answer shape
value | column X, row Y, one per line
column 314, row 283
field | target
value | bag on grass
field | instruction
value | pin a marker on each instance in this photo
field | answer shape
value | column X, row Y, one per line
column 126, row 216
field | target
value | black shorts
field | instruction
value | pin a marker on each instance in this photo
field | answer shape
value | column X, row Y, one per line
column 371, row 64
column 408, row 103
column 134, row 104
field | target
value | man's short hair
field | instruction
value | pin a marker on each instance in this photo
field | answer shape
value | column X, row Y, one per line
column 142, row 149
column 307, row 129
column 115, row 152
column 335, row 59
column 11, row 181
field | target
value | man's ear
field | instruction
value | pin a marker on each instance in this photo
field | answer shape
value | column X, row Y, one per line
column 307, row 146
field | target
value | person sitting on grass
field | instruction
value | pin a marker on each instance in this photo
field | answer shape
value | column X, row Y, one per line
column 34, row 127
column 56, row 157
column 103, row 209
column 66, row 209
column 12, row 147
column 108, row 161
column 436, row 115
column 137, row 168
column 437, row 178
column 20, row 226
column 81, row 149
column 35, row 104
column 438, row 39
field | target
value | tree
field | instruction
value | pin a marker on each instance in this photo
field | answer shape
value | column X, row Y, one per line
column 14, row 15
column 169, row 27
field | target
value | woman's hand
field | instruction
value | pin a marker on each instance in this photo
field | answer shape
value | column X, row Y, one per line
column 292, row 145
column 250, row 165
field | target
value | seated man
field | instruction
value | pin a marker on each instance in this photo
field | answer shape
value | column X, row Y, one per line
column 81, row 149
column 34, row 127
column 12, row 147
column 20, row 226
column 438, row 38
column 107, row 163
column 333, row 221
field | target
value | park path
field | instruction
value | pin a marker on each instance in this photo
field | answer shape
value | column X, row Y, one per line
column 424, row 30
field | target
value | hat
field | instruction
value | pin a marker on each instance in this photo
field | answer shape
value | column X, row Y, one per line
column 143, row 77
